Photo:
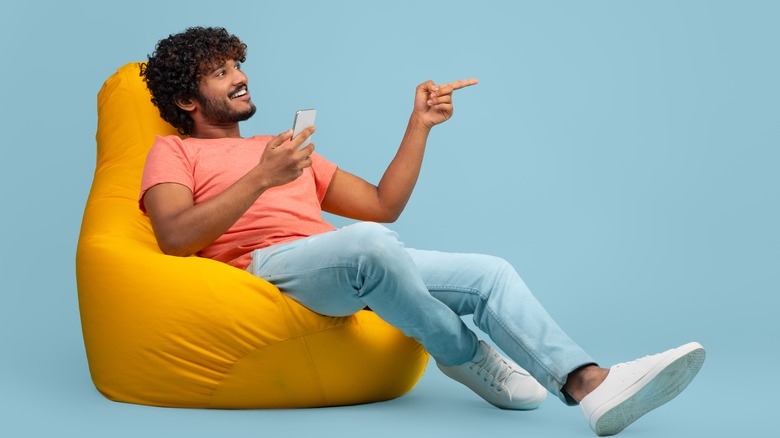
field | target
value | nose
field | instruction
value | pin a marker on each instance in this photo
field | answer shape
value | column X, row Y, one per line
column 239, row 77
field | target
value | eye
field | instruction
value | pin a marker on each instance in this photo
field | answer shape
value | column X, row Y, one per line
column 238, row 66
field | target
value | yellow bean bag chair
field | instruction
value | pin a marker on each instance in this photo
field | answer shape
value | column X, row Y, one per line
column 192, row 332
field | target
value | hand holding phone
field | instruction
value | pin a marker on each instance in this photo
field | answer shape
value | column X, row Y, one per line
column 303, row 119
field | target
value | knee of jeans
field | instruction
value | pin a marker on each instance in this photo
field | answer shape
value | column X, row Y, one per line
column 373, row 240
column 490, row 264
column 367, row 232
column 496, row 271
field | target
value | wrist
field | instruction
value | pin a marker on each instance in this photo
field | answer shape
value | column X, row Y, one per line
column 416, row 123
column 260, row 181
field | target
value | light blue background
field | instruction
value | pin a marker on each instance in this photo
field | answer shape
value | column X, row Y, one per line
column 622, row 155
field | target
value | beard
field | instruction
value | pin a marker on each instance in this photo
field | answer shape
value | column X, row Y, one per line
column 219, row 112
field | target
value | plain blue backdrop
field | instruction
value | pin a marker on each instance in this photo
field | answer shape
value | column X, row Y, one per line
column 623, row 155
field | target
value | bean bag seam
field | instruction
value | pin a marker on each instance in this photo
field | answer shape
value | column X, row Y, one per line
column 302, row 337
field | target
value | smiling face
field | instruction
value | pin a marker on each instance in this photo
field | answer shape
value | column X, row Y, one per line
column 224, row 95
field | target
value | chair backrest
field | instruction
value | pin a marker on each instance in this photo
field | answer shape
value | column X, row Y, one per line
column 127, row 125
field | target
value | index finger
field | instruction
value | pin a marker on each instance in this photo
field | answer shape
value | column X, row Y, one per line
column 463, row 83
column 279, row 139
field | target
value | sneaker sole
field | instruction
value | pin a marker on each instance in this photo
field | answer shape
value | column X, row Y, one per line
column 664, row 382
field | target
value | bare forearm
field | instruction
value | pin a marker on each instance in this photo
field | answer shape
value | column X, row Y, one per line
column 396, row 186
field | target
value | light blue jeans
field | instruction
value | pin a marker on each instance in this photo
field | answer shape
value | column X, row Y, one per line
column 424, row 294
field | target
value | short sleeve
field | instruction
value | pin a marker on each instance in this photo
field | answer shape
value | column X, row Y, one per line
column 323, row 171
column 167, row 162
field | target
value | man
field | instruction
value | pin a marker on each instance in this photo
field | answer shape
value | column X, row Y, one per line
column 256, row 204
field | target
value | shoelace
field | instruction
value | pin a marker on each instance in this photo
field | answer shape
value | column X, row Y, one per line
column 634, row 371
column 494, row 367
column 631, row 362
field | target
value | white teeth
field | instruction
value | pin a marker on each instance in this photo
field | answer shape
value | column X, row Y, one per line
column 239, row 94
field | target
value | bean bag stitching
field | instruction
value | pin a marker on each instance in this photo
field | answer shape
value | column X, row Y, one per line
column 292, row 338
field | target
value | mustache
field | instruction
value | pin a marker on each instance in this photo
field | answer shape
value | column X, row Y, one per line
column 238, row 88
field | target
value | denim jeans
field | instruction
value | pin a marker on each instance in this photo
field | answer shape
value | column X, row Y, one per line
column 424, row 294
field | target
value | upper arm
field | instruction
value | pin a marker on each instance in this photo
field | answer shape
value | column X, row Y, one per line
column 351, row 196
column 163, row 202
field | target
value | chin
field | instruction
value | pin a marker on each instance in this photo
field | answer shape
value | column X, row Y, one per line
column 248, row 114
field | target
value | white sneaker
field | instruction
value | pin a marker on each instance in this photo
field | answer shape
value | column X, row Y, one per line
column 633, row 389
column 498, row 380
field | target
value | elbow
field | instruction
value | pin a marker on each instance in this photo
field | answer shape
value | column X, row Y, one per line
column 173, row 250
column 177, row 252
column 388, row 216
column 171, row 247
column 173, row 238
column 391, row 218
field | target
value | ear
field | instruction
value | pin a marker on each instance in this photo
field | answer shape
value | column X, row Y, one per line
column 186, row 104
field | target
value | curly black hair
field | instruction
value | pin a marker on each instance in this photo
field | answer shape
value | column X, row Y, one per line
column 179, row 62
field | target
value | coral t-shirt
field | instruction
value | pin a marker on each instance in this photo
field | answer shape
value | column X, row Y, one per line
column 209, row 166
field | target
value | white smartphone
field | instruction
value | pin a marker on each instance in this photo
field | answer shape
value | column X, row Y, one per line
column 303, row 119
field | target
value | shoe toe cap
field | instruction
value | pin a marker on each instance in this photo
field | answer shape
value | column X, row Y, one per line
column 527, row 394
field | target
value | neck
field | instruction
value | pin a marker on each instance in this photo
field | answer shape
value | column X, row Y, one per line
column 216, row 131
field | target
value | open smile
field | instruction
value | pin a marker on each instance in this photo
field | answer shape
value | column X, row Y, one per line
column 242, row 91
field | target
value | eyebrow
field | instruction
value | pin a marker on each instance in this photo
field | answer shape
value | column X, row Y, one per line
column 218, row 67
